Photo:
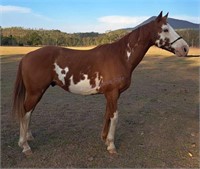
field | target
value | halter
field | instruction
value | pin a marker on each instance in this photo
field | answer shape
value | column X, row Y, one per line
column 176, row 40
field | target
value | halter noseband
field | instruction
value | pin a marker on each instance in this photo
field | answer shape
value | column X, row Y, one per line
column 176, row 40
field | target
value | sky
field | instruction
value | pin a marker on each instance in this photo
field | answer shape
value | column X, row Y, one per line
column 91, row 15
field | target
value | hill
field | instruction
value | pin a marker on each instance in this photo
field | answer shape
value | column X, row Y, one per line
column 17, row 36
column 175, row 23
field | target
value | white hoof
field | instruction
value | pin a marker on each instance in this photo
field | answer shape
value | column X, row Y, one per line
column 113, row 151
column 27, row 152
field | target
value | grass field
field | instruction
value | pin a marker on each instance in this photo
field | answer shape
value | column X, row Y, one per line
column 4, row 51
column 158, row 119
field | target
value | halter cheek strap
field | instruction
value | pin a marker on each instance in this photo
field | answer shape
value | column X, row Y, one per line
column 176, row 40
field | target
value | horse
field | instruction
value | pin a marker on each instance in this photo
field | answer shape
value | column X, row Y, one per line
column 105, row 69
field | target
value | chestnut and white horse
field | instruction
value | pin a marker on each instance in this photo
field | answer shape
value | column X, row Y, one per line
column 106, row 69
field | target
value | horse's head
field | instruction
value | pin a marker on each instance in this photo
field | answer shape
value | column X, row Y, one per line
column 166, row 38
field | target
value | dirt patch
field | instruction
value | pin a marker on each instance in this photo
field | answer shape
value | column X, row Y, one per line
column 158, row 121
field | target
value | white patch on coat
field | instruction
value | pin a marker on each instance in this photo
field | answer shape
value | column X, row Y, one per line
column 128, row 52
column 84, row 87
column 61, row 76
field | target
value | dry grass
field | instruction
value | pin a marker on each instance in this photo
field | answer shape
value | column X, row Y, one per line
column 83, row 47
column 158, row 125
column 192, row 55
column 155, row 51
column 4, row 51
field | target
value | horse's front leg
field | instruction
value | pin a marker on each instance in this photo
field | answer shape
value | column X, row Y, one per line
column 110, row 121
column 111, row 133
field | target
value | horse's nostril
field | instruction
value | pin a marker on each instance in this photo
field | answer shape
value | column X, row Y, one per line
column 185, row 49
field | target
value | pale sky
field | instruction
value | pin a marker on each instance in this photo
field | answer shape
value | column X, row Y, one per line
column 92, row 15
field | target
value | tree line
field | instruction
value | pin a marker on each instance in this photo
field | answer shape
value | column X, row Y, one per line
column 18, row 36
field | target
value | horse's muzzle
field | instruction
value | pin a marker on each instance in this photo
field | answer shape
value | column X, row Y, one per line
column 182, row 51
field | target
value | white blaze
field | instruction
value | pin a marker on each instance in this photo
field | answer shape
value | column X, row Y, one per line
column 171, row 34
column 180, row 46
column 174, row 36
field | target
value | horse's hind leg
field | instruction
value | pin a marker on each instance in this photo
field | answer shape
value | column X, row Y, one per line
column 25, row 133
column 24, row 124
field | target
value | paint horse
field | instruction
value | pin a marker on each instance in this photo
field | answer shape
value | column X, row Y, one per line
column 106, row 69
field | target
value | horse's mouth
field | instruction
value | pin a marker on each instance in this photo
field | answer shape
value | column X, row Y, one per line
column 181, row 53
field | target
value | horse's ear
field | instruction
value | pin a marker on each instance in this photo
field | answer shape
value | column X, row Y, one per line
column 166, row 15
column 159, row 17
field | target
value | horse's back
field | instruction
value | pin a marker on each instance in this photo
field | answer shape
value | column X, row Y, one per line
column 47, row 51
column 40, row 59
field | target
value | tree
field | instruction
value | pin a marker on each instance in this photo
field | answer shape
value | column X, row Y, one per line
column 33, row 39
column 20, row 36
column 8, row 41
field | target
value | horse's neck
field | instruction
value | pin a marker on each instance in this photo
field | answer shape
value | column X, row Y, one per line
column 137, row 44
column 137, row 55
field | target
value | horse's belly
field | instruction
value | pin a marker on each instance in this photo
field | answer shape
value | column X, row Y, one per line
column 83, row 87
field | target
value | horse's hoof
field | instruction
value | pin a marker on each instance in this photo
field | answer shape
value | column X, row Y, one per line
column 113, row 151
column 27, row 152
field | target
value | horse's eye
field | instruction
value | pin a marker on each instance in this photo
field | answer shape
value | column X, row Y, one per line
column 166, row 30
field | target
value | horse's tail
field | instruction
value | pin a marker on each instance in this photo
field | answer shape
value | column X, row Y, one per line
column 19, row 95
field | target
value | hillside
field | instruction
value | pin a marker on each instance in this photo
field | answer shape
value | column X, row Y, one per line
column 17, row 36
column 175, row 23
